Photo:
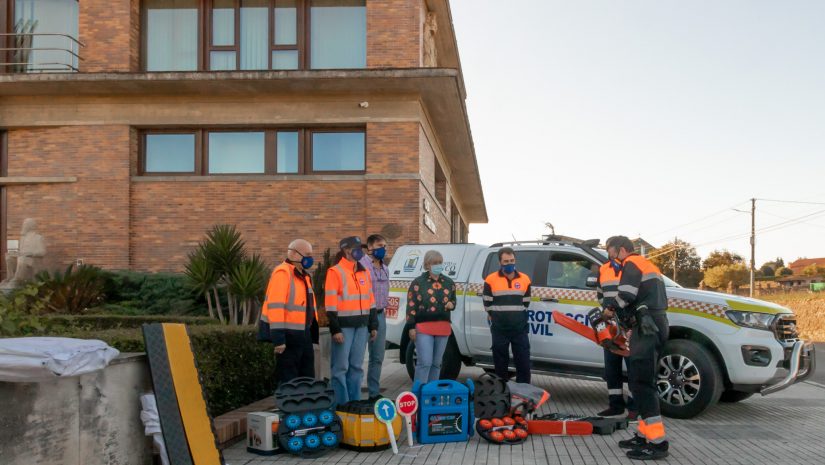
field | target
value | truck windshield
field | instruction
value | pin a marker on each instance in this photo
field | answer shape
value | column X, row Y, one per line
column 668, row 282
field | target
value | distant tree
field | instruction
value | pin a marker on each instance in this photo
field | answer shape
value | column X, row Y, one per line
column 766, row 270
column 782, row 271
column 719, row 276
column 683, row 255
column 722, row 257
column 814, row 269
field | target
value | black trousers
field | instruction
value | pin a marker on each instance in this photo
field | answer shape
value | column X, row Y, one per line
column 614, row 378
column 298, row 360
column 502, row 341
column 642, row 366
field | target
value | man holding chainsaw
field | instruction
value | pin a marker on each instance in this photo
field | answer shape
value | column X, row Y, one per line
column 608, row 285
column 639, row 303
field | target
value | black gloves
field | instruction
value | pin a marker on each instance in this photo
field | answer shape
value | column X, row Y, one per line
column 646, row 324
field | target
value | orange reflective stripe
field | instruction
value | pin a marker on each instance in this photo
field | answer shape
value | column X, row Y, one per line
column 654, row 429
column 642, row 427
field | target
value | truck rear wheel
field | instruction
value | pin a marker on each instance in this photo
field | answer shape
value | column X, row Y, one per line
column 450, row 364
column 689, row 379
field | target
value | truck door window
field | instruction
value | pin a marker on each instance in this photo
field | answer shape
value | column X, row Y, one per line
column 569, row 270
column 525, row 262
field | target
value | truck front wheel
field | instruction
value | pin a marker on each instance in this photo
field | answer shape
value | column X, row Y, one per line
column 689, row 379
column 450, row 364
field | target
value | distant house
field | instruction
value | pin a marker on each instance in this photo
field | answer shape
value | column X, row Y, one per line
column 799, row 265
column 797, row 279
column 642, row 246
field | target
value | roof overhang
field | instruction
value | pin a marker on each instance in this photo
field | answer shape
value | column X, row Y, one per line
column 439, row 90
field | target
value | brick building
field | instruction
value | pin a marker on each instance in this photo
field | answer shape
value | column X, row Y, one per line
column 155, row 119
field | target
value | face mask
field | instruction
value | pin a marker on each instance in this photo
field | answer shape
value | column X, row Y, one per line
column 615, row 265
column 306, row 261
column 507, row 269
column 379, row 253
column 437, row 269
column 357, row 253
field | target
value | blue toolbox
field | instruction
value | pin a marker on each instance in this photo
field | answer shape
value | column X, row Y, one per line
column 446, row 411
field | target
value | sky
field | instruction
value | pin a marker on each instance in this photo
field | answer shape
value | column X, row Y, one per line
column 651, row 118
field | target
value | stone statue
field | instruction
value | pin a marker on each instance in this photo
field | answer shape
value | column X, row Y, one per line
column 28, row 259
column 430, row 52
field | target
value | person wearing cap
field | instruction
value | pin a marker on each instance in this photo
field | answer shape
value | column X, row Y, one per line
column 373, row 261
column 353, row 321
column 288, row 314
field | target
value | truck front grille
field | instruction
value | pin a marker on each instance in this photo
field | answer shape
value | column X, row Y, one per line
column 785, row 328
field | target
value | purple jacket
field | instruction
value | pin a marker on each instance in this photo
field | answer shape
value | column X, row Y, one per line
column 380, row 282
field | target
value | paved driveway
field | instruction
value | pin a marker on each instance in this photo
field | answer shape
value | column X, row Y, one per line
column 785, row 428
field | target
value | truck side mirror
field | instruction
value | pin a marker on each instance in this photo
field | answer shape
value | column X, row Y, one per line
column 592, row 281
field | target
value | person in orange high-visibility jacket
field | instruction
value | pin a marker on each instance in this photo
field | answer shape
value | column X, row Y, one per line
column 288, row 313
column 640, row 303
column 506, row 297
column 353, row 319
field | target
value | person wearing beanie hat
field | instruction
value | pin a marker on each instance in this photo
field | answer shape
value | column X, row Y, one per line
column 353, row 320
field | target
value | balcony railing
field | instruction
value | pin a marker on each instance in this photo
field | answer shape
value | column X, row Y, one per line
column 39, row 53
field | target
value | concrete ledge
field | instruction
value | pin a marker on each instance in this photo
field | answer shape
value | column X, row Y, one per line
column 231, row 427
column 279, row 177
column 22, row 180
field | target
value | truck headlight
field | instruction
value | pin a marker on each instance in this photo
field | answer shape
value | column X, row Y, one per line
column 753, row 320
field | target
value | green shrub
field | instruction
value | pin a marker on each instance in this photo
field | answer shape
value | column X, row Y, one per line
column 19, row 310
column 73, row 323
column 135, row 293
column 235, row 369
column 73, row 291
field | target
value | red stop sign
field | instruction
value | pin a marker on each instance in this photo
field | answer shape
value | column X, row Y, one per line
column 406, row 403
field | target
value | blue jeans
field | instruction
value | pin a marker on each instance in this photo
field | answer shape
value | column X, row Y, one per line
column 430, row 352
column 377, row 357
column 345, row 364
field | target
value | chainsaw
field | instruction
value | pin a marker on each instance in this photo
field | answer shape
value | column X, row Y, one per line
column 603, row 330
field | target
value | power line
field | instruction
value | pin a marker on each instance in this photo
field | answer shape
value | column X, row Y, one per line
column 766, row 229
column 786, row 218
column 792, row 201
column 697, row 221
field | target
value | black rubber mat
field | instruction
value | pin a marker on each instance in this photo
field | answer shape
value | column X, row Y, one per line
column 174, row 435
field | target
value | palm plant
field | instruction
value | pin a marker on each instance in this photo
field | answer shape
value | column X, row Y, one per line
column 224, row 250
column 247, row 282
column 319, row 277
column 202, row 278
column 73, row 291
column 221, row 264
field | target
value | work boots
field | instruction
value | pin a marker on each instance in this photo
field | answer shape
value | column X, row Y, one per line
column 633, row 443
column 649, row 451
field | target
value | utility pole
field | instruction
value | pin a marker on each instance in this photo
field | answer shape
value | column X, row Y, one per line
column 753, row 242
column 675, row 251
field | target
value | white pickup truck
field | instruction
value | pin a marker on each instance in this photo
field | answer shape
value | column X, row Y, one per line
column 721, row 347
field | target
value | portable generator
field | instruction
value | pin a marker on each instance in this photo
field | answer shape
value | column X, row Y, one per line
column 446, row 411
